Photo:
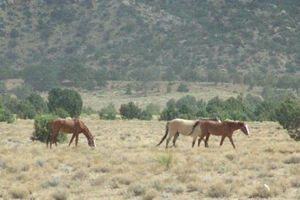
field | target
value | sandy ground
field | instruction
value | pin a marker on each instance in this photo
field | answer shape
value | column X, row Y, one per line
column 127, row 165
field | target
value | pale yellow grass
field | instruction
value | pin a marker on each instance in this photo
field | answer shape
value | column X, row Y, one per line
column 115, row 93
column 127, row 165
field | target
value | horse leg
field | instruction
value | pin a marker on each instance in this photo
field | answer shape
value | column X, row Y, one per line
column 199, row 141
column 73, row 136
column 195, row 137
column 230, row 138
column 206, row 140
column 76, row 141
column 175, row 138
column 201, row 138
column 222, row 140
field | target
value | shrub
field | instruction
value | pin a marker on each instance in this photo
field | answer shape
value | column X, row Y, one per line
column 108, row 113
column 130, row 111
column 169, row 113
column 67, row 99
column 288, row 115
column 42, row 128
column 153, row 109
column 145, row 115
column 25, row 110
column 182, row 88
column 6, row 116
column 38, row 103
column 22, row 92
column 60, row 112
column 166, row 160
column 217, row 190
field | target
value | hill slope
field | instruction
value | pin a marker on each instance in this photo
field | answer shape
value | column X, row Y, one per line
column 167, row 39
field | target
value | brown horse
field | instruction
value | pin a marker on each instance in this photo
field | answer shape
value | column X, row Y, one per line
column 224, row 129
column 74, row 126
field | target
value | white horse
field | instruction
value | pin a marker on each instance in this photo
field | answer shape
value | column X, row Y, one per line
column 180, row 126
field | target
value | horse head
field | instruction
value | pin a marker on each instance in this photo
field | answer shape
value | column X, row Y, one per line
column 244, row 128
column 91, row 141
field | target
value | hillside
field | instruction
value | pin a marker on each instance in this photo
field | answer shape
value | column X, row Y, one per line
column 156, row 40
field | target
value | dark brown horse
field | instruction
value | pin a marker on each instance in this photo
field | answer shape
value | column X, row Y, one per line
column 74, row 126
column 224, row 129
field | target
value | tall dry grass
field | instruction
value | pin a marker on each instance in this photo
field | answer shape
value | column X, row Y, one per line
column 127, row 165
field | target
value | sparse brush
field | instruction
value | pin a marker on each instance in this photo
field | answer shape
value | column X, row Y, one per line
column 98, row 181
column 123, row 179
column 137, row 189
column 261, row 191
column 80, row 175
column 60, row 195
column 18, row 192
column 218, row 190
column 52, row 182
column 151, row 194
column 230, row 157
column 292, row 160
column 167, row 160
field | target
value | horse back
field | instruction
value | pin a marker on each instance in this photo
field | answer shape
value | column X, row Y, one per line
column 214, row 127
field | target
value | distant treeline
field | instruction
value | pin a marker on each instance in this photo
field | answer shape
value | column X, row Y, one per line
column 66, row 102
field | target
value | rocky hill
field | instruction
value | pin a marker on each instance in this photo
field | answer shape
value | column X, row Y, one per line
column 154, row 39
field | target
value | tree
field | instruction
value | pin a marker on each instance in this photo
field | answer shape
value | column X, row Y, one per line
column 66, row 99
column 38, row 103
column 288, row 115
column 130, row 111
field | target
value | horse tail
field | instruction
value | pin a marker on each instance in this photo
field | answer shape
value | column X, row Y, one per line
column 194, row 126
column 164, row 137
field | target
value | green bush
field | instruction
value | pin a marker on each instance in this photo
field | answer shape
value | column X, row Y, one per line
column 288, row 115
column 6, row 116
column 153, row 109
column 66, row 99
column 38, row 103
column 108, row 113
column 182, row 88
column 42, row 128
column 145, row 115
column 130, row 111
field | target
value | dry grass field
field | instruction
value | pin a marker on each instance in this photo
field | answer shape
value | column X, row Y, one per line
column 115, row 93
column 127, row 165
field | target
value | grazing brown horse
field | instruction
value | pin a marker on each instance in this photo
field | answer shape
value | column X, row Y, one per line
column 74, row 126
column 224, row 129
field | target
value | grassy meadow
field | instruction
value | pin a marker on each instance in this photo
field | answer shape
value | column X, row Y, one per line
column 127, row 165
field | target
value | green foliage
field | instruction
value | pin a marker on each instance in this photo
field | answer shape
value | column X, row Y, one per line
column 147, row 50
column 25, row 110
column 182, row 88
column 108, row 113
column 6, row 116
column 153, row 109
column 42, row 128
column 22, row 92
column 288, row 115
column 145, row 115
column 130, row 111
column 66, row 99
column 38, row 103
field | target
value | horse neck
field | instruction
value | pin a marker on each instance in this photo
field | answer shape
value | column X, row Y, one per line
column 233, row 126
column 87, row 133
